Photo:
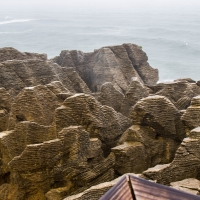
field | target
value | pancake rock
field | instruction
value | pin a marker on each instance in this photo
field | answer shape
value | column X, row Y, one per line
column 186, row 163
column 180, row 92
column 9, row 53
column 115, row 64
column 95, row 192
column 84, row 119
column 34, row 104
column 154, row 137
column 110, row 96
column 100, row 121
column 17, row 74
column 5, row 106
column 191, row 117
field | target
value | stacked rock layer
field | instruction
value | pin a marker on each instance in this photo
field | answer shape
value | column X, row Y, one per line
column 71, row 125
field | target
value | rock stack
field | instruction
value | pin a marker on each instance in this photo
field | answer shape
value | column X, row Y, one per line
column 71, row 125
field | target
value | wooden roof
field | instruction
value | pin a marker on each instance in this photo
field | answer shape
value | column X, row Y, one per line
column 130, row 187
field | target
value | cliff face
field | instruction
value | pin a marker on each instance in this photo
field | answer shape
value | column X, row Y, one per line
column 115, row 64
column 81, row 119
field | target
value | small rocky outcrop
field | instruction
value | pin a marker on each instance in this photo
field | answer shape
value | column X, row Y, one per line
column 71, row 125
column 9, row 53
column 191, row 117
column 190, row 185
column 180, row 92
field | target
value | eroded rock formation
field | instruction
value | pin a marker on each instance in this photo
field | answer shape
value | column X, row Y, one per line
column 82, row 119
column 115, row 64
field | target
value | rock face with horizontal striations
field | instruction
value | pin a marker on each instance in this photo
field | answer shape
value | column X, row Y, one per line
column 115, row 64
column 17, row 74
column 111, row 97
column 5, row 106
column 100, row 121
column 9, row 53
column 186, row 163
column 71, row 125
column 34, row 104
column 154, row 137
column 160, row 114
column 180, row 92
column 191, row 117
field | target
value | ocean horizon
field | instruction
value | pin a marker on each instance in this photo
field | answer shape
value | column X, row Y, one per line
column 169, row 37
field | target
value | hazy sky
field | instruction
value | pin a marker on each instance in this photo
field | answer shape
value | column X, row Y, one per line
column 99, row 4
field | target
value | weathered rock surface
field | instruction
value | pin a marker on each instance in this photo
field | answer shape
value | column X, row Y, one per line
column 71, row 161
column 154, row 137
column 190, row 185
column 111, row 97
column 160, row 114
column 33, row 104
column 100, row 121
column 186, row 163
column 5, row 106
column 17, row 74
column 191, row 117
column 9, row 53
column 82, row 119
column 115, row 64
column 180, row 92
column 94, row 193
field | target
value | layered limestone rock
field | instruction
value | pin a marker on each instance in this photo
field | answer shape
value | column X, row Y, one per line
column 5, row 105
column 180, row 92
column 82, row 119
column 100, row 121
column 115, row 64
column 160, row 114
column 13, row 143
column 111, row 96
column 94, row 193
column 190, row 185
column 17, row 74
column 42, row 161
column 136, row 91
column 154, row 137
column 191, row 117
column 33, row 104
column 186, row 163
column 9, row 53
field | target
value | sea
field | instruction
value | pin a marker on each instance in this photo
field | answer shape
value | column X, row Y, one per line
column 171, row 37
